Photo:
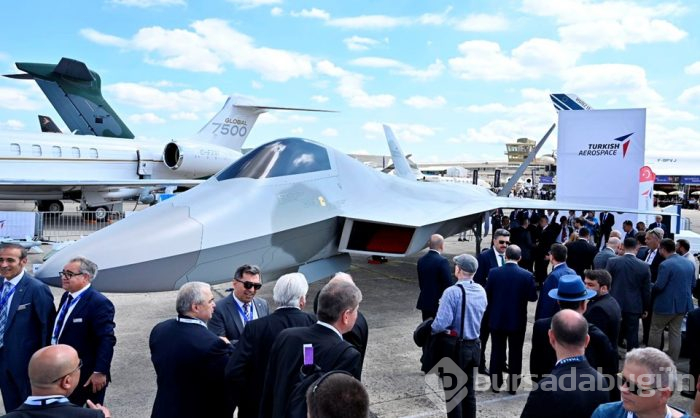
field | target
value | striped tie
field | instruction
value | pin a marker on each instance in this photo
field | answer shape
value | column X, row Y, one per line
column 5, row 310
column 61, row 319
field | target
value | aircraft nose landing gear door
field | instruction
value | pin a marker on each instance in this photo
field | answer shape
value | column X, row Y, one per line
column 143, row 169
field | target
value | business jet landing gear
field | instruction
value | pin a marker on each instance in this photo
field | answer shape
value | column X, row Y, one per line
column 50, row 205
column 96, row 213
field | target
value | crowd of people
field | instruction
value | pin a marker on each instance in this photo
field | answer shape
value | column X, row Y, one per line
column 591, row 302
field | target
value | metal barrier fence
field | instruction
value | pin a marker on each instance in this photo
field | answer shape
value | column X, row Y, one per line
column 65, row 226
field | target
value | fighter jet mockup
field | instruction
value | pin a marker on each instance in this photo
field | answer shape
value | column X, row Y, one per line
column 291, row 204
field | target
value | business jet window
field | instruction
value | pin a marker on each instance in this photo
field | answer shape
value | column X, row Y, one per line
column 283, row 157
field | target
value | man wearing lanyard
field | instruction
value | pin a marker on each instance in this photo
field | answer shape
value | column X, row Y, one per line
column 232, row 313
column 26, row 315
column 189, row 359
column 54, row 372
column 85, row 321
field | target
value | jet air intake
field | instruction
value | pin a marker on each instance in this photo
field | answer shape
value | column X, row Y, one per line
column 195, row 160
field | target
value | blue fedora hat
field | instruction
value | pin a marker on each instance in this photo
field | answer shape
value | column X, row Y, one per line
column 571, row 289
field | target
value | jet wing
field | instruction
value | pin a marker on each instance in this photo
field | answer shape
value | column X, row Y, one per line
column 93, row 183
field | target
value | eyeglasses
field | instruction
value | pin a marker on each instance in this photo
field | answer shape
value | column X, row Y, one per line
column 250, row 285
column 632, row 387
column 69, row 274
column 80, row 365
column 501, row 242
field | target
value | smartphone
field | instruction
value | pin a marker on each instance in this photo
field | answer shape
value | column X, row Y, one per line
column 308, row 354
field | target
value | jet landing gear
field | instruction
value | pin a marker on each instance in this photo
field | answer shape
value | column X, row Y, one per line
column 50, row 206
column 98, row 214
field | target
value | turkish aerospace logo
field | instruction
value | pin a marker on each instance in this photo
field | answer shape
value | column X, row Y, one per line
column 610, row 148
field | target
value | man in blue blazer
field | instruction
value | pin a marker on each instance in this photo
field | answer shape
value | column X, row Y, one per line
column 673, row 290
column 85, row 321
column 26, row 316
column 509, row 288
column 434, row 276
column 546, row 306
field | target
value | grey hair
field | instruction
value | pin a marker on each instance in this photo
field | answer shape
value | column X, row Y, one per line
column 341, row 275
column 191, row 293
column 662, row 370
column 86, row 266
column 335, row 298
column 289, row 289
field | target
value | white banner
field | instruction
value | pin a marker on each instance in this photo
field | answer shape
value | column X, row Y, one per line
column 17, row 225
column 599, row 154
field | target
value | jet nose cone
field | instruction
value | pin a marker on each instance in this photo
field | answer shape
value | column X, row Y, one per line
column 148, row 251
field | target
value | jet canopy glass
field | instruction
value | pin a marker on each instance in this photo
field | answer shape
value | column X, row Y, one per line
column 283, row 157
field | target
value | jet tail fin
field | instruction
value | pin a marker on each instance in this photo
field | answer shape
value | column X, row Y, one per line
column 232, row 125
column 401, row 166
column 568, row 101
column 47, row 125
column 75, row 92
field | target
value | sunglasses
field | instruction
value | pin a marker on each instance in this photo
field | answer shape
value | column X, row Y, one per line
column 501, row 242
column 69, row 274
column 632, row 387
column 250, row 285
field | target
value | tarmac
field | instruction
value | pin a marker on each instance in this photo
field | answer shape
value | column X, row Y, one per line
column 392, row 376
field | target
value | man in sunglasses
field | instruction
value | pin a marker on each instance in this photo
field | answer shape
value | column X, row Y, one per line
column 234, row 312
column 54, row 372
column 647, row 382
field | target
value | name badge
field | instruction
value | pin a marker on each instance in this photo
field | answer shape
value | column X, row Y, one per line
column 77, row 320
column 23, row 307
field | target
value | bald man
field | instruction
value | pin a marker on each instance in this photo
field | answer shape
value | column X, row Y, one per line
column 434, row 276
column 54, row 372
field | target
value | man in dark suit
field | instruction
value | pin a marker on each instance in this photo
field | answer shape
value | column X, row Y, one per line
column 85, row 321
column 54, row 372
column 600, row 352
column 190, row 360
column 488, row 259
column 508, row 290
column 233, row 313
column 610, row 250
column 631, row 288
column 246, row 368
column 26, row 316
column 548, row 233
column 554, row 398
column 434, row 276
column 603, row 310
column 337, row 312
column 546, row 306
column 659, row 224
column 565, row 230
column 520, row 236
column 581, row 252
column 628, row 229
column 653, row 258
column 674, row 298
column 692, row 338
column 607, row 222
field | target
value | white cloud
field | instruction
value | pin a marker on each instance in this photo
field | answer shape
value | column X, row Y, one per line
column 256, row 84
column 151, row 118
column 16, row 99
column 350, row 87
column 12, row 124
column 405, row 132
column 207, row 47
column 481, row 23
column 184, row 116
column 319, row 99
column 690, row 95
column 422, row 102
column 358, row 43
column 660, row 139
column 329, row 132
column 370, row 22
column 312, row 13
column 693, row 69
column 144, row 4
column 434, row 70
column 151, row 98
column 297, row 131
column 661, row 113
column 612, row 81
column 487, row 108
column 250, row 4
column 276, row 11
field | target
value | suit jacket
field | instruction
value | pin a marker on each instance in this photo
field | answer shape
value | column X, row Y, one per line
column 548, row 236
column 674, row 286
column 246, row 368
column 487, row 260
column 522, row 238
column 358, row 335
column 580, row 255
column 655, row 263
column 226, row 320
column 545, row 402
column 508, row 290
column 434, row 276
column 601, row 259
column 547, row 306
column 607, row 222
column 54, row 410
column 604, row 312
column 189, row 361
column 659, row 225
column 600, row 352
column 631, row 283
column 330, row 353
column 28, row 328
column 90, row 330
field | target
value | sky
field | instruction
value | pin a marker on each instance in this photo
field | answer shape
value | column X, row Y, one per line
column 456, row 80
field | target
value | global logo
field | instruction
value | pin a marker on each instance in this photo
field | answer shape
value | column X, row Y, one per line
column 608, row 148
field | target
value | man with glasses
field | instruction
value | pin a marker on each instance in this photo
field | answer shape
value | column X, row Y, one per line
column 233, row 313
column 54, row 373
column 85, row 321
column 26, row 317
column 647, row 382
